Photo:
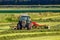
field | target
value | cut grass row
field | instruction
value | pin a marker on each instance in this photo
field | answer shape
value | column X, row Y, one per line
column 27, row 31
column 44, row 33
column 56, row 37
column 26, row 35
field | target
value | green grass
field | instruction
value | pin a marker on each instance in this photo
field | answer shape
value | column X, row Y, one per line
column 50, row 23
column 40, row 17
column 44, row 34
column 34, row 34
column 42, row 38
column 26, row 34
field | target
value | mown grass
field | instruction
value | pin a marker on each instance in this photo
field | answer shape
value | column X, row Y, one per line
column 21, row 34
column 48, row 34
column 26, row 35
column 42, row 38
column 55, row 26
column 39, row 17
column 8, row 34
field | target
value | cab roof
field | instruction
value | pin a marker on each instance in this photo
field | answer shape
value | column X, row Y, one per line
column 24, row 15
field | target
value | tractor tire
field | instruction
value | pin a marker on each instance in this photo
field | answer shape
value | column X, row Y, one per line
column 19, row 27
column 28, row 27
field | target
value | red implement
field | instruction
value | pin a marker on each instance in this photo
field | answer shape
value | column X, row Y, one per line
column 36, row 24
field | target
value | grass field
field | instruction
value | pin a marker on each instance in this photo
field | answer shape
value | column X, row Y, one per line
column 48, row 18
column 29, row 35
column 42, row 38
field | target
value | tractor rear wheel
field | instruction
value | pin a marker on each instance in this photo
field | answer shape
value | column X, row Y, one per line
column 28, row 26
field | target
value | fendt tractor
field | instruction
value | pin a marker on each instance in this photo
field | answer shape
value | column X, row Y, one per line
column 25, row 22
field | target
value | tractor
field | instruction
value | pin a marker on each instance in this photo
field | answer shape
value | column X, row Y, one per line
column 25, row 22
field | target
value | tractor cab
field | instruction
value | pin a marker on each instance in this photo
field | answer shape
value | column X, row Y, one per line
column 25, row 18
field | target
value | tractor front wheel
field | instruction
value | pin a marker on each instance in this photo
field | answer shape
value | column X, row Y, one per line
column 19, row 27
